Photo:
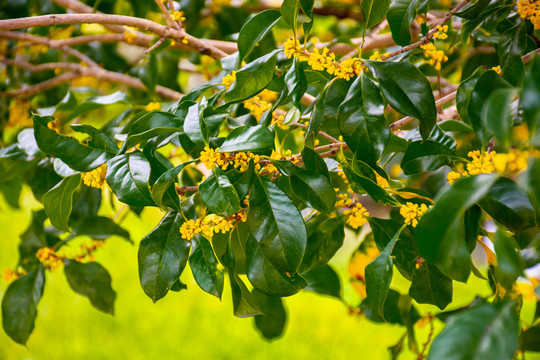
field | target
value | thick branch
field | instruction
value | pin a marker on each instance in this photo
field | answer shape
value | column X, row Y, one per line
column 201, row 46
column 42, row 86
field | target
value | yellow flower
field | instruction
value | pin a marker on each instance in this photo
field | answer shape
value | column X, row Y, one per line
column 453, row 176
column 185, row 40
column 481, row 163
column 446, row 3
column 412, row 212
column 497, row 69
column 378, row 57
column 512, row 163
column 9, row 275
column 49, row 258
column 19, row 110
column 153, row 106
column 229, row 79
column 178, row 16
column 357, row 216
column 436, row 57
column 257, row 106
column 292, row 48
column 441, row 32
column 189, row 229
column 130, row 37
column 530, row 9
column 96, row 178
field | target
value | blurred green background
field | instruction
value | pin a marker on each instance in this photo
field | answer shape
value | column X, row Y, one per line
column 191, row 324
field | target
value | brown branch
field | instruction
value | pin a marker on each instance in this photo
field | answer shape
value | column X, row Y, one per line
column 167, row 15
column 153, row 47
column 79, row 71
column 322, row 133
column 15, row 35
column 201, row 46
column 338, row 12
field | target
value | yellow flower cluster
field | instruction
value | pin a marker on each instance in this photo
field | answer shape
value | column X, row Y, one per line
column 228, row 79
column 52, row 260
column 96, row 178
column 378, row 57
column 287, row 155
column 412, row 212
column 441, row 32
column 343, row 200
column 497, row 69
column 436, row 57
column 19, row 110
column 512, row 163
column 446, row 3
column 185, row 40
column 357, row 216
column 480, row 164
column 153, row 106
column 211, row 158
column 178, row 16
column 257, row 106
column 9, row 275
column 323, row 60
column 130, row 37
column 279, row 122
column 530, row 9
column 208, row 226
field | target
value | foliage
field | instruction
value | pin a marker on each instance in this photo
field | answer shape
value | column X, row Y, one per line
column 261, row 167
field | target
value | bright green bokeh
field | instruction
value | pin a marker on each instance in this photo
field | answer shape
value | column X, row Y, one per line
column 189, row 324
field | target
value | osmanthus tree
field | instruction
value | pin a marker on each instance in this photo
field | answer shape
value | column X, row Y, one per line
column 264, row 143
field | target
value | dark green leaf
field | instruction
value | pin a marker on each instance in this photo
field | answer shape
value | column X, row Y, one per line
column 323, row 280
column 429, row 155
column 248, row 138
column 530, row 339
column 400, row 16
column 464, row 94
column 203, row 265
column 148, row 73
column 408, row 91
column 497, row 114
column 254, row 30
column 219, row 194
column 93, row 281
column 128, row 176
column 59, row 201
column 296, row 82
column 472, row 10
column 486, row 331
column 96, row 102
column 195, row 126
column 99, row 227
column 289, row 12
column 378, row 277
column 244, row 302
column 510, row 48
column 374, row 11
column 165, row 181
column 362, row 122
column 430, row 286
column 277, row 226
column 508, row 259
column 314, row 162
column 76, row 155
column 530, row 94
column 317, row 114
column 150, row 125
column 265, row 277
column 272, row 323
column 163, row 255
column 323, row 243
column 19, row 305
column 314, row 190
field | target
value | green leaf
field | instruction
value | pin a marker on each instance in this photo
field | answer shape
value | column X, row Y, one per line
column 274, row 318
column 429, row 155
column 374, row 11
column 530, row 180
column 96, row 102
column 296, row 82
column 128, row 176
column 19, row 305
column 248, row 138
column 252, row 78
column 434, row 231
column 99, row 227
column 265, row 277
column 472, row 10
column 244, row 302
column 430, row 286
column 148, row 73
column 93, row 281
column 508, row 204
column 378, row 277
column 510, row 48
column 150, row 125
column 530, row 94
column 165, row 181
column 219, row 194
column 408, row 91
column 195, row 126
column 317, row 114
column 362, row 122
column 508, row 259
column 204, row 267
column 59, row 201
column 289, row 12
column 277, row 225
column 314, row 190
column 77, row 156
column 323, row 280
column 314, row 162
column 487, row 331
column 27, row 143
column 323, row 244
column 14, row 162
column 361, row 184
column 496, row 114
column 486, row 85
column 307, row 8
column 464, row 94
column 163, row 255
column 529, row 339
column 400, row 16
column 254, row 30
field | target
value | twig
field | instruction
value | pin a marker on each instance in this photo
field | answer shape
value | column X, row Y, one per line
column 42, row 86
column 322, row 133
column 159, row 42
column 167, row 15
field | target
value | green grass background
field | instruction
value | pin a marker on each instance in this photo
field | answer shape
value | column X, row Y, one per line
column 190, row 324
